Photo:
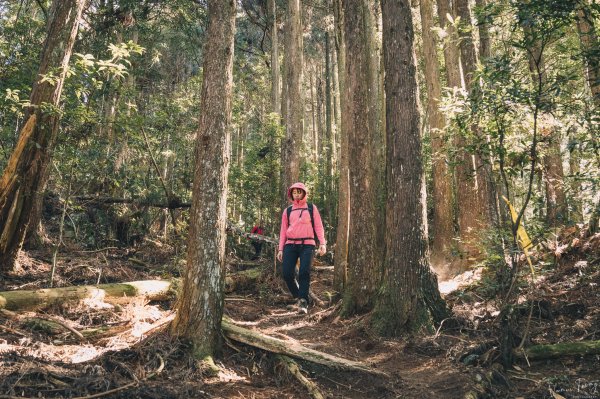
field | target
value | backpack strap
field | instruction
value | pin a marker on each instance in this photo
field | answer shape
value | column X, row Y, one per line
column 310, row 212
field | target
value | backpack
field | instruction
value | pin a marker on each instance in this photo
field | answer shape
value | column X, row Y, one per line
column 309, row 206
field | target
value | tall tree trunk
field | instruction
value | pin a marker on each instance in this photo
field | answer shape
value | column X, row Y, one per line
column 294, row 122
column 474, row 192
column 401, row 307
column 363, row 266
column 589, row 47
column 26, row 171
column 200, row 306
column 442, row 191
column 275, row 87
column 343, row 225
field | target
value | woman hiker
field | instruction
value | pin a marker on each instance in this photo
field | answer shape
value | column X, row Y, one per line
column 300, row 225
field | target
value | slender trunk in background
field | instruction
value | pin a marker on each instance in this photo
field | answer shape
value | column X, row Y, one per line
column 341, row 242
column 576, row 212
column 363, row 262
column 328, row 175
column 275, row 87
column 313, row 112
column 451, row 55
column 27, row 169
column 320, row 144
column 550, row 138
column 441, row 225
column 401, row 306
column 485, row 43
column 294, row 121
column 200, row 304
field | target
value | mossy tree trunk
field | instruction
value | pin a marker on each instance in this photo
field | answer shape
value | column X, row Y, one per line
column 26, row 171
column 200, row 306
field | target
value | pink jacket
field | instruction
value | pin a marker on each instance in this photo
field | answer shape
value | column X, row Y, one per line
column 300, row 225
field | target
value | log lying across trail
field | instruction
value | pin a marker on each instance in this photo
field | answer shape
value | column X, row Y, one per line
column 293, row 349
column 113, row 293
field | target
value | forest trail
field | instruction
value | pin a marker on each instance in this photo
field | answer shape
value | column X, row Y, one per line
column 136, row 357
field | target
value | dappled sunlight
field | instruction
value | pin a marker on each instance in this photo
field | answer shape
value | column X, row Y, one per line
column 462, row 280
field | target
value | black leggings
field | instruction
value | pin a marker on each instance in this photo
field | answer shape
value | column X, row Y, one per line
column 291, row 253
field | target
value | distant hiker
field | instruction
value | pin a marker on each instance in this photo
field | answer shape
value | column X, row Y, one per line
column 300, row 225
column 257, row 229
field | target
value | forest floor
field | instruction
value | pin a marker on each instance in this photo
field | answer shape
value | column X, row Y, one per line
column 136, row 358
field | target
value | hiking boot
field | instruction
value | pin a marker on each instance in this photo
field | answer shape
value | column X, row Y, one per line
column 302, row 306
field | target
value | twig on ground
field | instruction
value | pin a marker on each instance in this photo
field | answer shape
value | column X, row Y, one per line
column 62, row 324
column 13, row 331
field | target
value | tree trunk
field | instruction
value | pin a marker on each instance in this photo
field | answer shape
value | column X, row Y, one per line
column 200, row 307
column 363, row 266
column 328, row 161
column 474, row 188
column 24, row 175
column 441, row 226
column 275, row 87
column 556, row 199
column 294, row 122
column 576, row 212
column 401, row 307
column 589, row 47
column 485, row 43
column 451, row 56
column 342, row 234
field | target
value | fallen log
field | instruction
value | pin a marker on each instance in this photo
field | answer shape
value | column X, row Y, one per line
column 293, row 349
column 112, row 293
column 292, row 368
column 537, row 352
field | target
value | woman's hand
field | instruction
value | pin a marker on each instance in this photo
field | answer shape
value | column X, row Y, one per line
column 279, row 256
column 322, row 250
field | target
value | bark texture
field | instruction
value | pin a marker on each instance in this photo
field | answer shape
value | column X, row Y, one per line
column 25, row 174
column 401, row 307
column 363, row 266
column 200, row 306
column 294, row 121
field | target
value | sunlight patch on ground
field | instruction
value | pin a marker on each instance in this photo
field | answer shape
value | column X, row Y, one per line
column 227, row 375
column 462, row 280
